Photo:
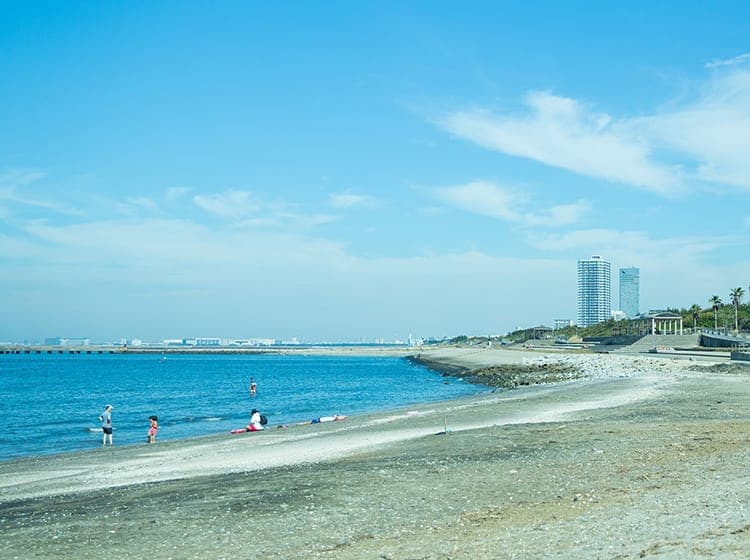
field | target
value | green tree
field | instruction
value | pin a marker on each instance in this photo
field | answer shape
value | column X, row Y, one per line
column 736, row 295
column 715, row 302
column 695, row 311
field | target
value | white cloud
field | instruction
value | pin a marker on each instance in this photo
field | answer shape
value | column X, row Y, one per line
column 230, row 204
column 256, row 223
column 13, row 191
column 177, row 278
column 635, row 243
column 560, row 215
column 713, row 130
column 16, row 178
column 176, row 193
column 729, row 62
column 313, row 220
column 134, row 205
column 242, row 209
column 562, row 132
column 347, row 199
column 488, row 199
column 283, row 218
column 708, row 136
column 482, row 197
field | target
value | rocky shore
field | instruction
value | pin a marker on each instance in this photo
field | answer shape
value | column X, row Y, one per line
column 636, row 458
column 507, row 376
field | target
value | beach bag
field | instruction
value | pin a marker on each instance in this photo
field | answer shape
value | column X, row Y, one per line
column 263, row 420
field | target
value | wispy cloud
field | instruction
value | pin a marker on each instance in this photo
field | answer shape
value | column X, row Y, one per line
column 150, row 261
column 137, row 205
column 713, row 131
column 14, row 187
column 650, row 252
column 16, row 178
column 348, row 199
column 481, row 197
column 488, row 199
column 176, row 193
column 245, row 210
column 562, row 132
column 684, row 143
column 168, row 245
column 729, row 62
column 559, row 215
column 230, row 204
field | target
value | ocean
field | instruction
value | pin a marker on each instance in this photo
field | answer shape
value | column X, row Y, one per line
column 51, row 402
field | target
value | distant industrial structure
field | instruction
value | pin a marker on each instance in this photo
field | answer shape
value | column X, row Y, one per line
column 198, row 343
column 630, row 291
column 61, row 341
column 594, row 291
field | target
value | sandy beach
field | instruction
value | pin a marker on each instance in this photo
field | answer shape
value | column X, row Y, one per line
column 633, row 457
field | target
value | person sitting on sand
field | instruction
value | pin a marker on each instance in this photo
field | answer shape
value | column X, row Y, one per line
column 255, row 424
column 153, row 428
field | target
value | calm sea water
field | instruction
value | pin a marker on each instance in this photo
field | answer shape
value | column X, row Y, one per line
column 51, row 403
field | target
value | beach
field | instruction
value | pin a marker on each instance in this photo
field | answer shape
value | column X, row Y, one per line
column 630, row 456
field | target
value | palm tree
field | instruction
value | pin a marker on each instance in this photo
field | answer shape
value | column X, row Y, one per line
column 715, row 302
column 736, row 295
column 695, row 310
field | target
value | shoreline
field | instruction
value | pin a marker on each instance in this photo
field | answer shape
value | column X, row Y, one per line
column 278, row 416
column 616, row 464
column 464, row 363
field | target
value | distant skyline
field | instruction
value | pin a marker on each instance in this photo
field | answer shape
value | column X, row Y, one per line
column 348, row 171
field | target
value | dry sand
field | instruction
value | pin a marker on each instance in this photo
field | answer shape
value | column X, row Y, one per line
column 644, row 457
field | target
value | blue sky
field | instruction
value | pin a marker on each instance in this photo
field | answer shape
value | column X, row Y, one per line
column 352, row 170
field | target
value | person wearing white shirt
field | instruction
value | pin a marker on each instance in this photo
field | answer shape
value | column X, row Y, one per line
column 255, row 424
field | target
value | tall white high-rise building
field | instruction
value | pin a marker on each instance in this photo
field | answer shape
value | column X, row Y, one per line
column 630, row 291
column 594, row 291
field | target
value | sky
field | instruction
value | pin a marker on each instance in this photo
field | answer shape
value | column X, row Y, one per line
column 349, row 171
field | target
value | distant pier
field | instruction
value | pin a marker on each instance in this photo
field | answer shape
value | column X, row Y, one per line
column 132, row 350
column 339, row 349
column 56, row 350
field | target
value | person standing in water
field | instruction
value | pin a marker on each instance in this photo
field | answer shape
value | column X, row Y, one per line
column 106, row 420
column 253, row 387
column 153, row 428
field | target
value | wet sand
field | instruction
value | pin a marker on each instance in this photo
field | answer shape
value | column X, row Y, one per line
column 640, row 457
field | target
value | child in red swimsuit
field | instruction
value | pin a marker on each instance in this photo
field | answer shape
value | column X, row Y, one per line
column 152, row 429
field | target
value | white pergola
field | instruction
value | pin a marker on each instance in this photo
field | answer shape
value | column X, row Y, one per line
column 662, row 322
